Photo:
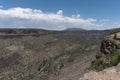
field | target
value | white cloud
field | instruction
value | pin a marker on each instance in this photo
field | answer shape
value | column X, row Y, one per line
column 38, row 19
column 76, row 16
column 60, row 12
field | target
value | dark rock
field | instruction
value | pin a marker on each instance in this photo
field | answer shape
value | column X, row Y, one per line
column 110, row 43
column 110, row 53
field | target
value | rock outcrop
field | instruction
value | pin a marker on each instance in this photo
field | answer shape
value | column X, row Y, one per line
column 109, row 53
column 110, row 43
column 109, row 56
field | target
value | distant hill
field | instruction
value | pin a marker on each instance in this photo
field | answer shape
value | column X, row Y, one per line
column 74, row 29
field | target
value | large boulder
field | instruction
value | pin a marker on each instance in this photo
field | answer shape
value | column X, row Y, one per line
column 110, row 43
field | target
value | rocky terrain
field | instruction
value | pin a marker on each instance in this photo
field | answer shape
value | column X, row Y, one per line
column 109, row 57
column 112, row 73
column 35, row 54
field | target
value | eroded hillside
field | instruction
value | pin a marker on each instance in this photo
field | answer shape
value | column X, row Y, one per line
column 47, row 55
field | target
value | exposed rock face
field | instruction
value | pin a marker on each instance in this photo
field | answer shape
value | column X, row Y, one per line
column 109, row 56
column 110, row 43
column 110, row 53
column 117, row 36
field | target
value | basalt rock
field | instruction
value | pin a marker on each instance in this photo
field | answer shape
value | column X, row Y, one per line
column 110, row 44
column 109, row 53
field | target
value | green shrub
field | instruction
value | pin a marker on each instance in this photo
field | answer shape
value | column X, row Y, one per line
column 115, row 60
column 115, row 31
column 99, row 65
column 98, row 56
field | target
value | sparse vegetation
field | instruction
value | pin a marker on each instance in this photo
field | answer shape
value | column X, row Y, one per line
column 115, row 31
column 3, row 52
column 49, row 53
column 115, row 59
column 102, row 63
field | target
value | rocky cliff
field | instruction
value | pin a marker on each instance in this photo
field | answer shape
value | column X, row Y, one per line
column 110, row 44
column 109, row 56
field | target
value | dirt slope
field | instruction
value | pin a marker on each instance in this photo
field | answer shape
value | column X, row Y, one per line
column 112, row 73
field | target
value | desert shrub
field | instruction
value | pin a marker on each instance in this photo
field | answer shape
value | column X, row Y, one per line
column 115, row 31
column 98, row 56
column 52, row 65
column 99, row 65
column 115, row 60
column 3, row 52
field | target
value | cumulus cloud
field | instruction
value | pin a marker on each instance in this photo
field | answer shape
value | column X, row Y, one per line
column 60, row 12
column 33, row 18
column 76, row 16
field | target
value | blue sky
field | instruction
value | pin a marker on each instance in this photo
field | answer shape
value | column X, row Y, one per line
column 60, row 14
